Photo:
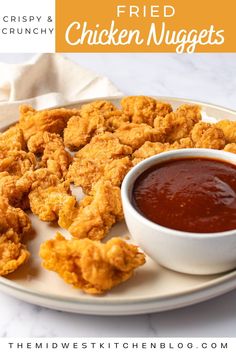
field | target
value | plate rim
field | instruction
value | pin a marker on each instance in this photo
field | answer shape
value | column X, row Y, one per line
column 221, row 280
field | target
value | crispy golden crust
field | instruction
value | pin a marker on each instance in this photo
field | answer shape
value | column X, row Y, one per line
column 85, row 172
column 52, row 150
column 47, row 194
column 14, row 191
column 149, row 149
column 178, row 124
column 46, row 203
column 143, row 109
column 230, row 148
column 113, row 117
column 229, row 129
column 12, row 252
column 13, row 224
column 104, row 157
column 135, row 135
column 95, row 118
column 96, row 213
column 13, row 218
column 80, row 130
column 12, row 139
column 205, row 135
column 102, row 106
column 89, row 265
column 53, row 121
column 16, row 162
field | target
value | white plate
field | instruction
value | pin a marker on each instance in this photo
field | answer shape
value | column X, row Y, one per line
column 152, row 289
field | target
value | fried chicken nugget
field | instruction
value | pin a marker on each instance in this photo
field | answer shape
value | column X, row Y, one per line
column 113, row 117
column 16, row 189
column 229, row 129
column 149, row 149
column 44, row 193
column 14, row 223
column 178, row 124
column 48, row 194
column 205, row 135
column 95, row 118
column 52, row 149
column 135, row 135
column 96, row 213
column 16, row 162
column 230, row 148
column 53, row 120
column 12, row 189
column 47, row 202
column 12, row 252
column 89, row 265
column 80, row 130
column 13, row 218
column 143, row 109
column 104, row 157
column 12, row 139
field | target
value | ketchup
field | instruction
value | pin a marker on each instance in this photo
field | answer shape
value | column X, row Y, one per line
column 191, row 194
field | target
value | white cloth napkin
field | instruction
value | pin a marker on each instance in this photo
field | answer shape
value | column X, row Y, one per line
column 48, row 80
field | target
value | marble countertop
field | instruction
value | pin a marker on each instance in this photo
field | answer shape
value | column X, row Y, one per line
column 206, row 77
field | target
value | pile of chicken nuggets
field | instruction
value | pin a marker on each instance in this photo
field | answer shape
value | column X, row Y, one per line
column 37, row 168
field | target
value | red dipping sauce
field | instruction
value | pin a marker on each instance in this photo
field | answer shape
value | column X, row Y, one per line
column 191, row 194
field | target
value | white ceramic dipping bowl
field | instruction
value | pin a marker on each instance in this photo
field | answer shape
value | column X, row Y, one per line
column 186, row 252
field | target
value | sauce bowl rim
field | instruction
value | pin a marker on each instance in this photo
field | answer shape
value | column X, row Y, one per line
column 137, row 170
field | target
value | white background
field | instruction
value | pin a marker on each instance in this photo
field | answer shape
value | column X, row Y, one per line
column 24, row 42
column 207, row 77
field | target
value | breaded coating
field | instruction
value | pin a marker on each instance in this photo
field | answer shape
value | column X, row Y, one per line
column 205, row 135
column 230, row 148
column 42, row 178
column 115, row 171
column 113, row 117
column 12, row 139
column 16, row 162
column 16, row 189
column 53, row 120
column 86, row 172
column 47, row 202
column 80, row 130
column 89, row 265
column 136, row 135
column 13, row 218
column 116, row 120
column 52, row 150
column 102, row 106
column 14, row 223
column 12, row 252
column 143, row 109
column 149, row 149
column 178, row 124
column 47, row 194
column 229, row 129
column 96, row 213
column 12, row 189
column 103, row 157
column 95, row 118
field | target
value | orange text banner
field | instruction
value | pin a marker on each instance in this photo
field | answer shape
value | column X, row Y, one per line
column 145, row 26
